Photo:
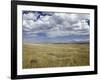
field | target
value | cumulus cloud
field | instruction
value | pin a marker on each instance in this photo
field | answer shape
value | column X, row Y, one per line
column 55, row 24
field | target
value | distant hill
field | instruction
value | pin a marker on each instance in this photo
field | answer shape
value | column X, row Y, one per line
column 75, row 42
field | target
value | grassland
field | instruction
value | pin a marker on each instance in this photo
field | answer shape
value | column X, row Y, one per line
column 55, row 55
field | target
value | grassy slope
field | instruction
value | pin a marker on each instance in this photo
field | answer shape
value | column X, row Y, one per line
column 55, row 55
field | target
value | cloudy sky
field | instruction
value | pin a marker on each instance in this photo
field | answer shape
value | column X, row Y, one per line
column 55, row 27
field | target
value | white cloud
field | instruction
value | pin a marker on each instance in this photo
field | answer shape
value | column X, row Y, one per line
column 56, row 25
column 45, row 18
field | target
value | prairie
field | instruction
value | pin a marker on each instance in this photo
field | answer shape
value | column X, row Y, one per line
column 55, row 55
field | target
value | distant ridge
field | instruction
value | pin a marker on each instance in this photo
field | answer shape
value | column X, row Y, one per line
column 57, row 43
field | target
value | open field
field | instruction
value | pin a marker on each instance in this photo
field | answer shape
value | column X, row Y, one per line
column 55, row 55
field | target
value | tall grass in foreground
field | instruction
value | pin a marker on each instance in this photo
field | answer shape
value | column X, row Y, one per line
column 55, row 55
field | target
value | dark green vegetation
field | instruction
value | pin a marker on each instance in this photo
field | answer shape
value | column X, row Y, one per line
column 55, row 55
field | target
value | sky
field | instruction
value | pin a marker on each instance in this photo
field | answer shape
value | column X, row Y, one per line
column 55, row 27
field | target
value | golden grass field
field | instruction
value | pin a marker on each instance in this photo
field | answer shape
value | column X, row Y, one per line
column 55, row 55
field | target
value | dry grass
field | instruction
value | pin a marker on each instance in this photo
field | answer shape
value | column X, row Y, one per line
column 55, row 55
